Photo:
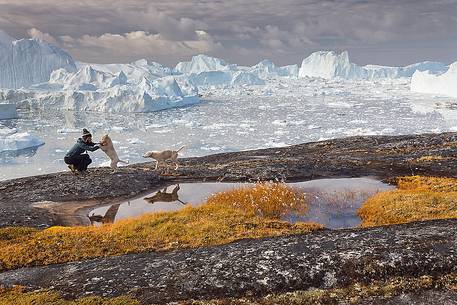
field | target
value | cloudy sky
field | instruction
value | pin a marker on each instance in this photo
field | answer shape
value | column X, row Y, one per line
column 390, row 32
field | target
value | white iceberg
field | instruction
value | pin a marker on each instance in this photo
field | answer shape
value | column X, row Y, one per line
column 29, row 61
column 241, row 78
column 163, row 93
column 203, row 63
column 136, row 70
column 210, row 78
column 11, row 141
column 329, row 65
column 89, row 89
column 442, row 84
column 266, row 68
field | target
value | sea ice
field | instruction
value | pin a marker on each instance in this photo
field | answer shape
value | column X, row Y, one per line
column 10, row 140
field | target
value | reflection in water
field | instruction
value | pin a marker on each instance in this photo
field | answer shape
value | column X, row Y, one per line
column 109, row 216
column 163, row 196
column 331, row 202
column 334, row 209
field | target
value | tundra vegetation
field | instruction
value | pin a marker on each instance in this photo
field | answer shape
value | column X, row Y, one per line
column 246, row 212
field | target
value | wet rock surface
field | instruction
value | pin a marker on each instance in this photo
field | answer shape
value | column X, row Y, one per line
column 326, row 259
column 382, row 156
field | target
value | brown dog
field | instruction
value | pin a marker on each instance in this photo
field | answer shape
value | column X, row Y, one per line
column 107, row 146
column 163, row 156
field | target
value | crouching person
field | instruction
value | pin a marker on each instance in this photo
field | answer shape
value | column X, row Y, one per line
column 77, row 158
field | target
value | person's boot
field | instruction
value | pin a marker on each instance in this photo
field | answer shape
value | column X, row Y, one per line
column 73, row 169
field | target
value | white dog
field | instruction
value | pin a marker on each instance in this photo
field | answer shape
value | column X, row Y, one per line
column 163, row 156
column 107, row 146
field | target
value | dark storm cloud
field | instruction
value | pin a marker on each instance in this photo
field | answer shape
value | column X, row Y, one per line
column 382, row 32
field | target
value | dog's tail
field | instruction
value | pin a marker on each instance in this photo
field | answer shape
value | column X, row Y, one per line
column 125, row 162
column 181, row 148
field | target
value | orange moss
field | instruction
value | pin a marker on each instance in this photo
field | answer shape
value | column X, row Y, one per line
column 417, row 198
column 216, row 222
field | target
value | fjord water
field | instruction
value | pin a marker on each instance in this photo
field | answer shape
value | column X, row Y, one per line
column 231, row 123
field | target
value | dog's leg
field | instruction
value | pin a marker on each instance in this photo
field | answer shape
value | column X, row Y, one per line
column 113, row 165
column 157, row 164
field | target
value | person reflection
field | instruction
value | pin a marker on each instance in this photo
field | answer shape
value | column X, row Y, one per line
column 109, row 217
column 163, row 196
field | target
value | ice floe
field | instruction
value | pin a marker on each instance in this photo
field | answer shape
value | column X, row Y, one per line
column 11, row 140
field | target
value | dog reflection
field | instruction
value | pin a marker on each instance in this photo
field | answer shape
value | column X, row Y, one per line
column 109, row 217
column 163, row 196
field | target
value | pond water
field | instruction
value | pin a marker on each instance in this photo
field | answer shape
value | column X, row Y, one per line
column 332, row 202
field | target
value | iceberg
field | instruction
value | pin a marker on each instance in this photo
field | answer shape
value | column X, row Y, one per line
column 267, row 68
column 105, row 88
column 210, row 78
column 203, row 63
column 329, row 65
column 441, row 84
column 146, row 96
column 11, row 140
column 241, row 78
column 135, row 70
column 29, row 61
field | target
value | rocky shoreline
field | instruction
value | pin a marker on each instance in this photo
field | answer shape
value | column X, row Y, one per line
column 381, row 156
column 328, row 259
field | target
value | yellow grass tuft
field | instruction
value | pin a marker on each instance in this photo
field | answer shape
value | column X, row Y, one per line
column 270, row 200
column 218, row 222
column 417, row 198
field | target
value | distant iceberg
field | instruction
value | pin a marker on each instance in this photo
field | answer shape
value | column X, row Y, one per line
column 205, row 71
column 441, row 84
column 35, row 74
column 329, row 64
column 29, row 61
column 266, row 68
column 93, row 90
column 203, row 63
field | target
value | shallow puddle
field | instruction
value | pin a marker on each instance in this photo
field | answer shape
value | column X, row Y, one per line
column 332, row 202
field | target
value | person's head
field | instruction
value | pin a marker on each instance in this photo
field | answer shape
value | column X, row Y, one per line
column 87, row 136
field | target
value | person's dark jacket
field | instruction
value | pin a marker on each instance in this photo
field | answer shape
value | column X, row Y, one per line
column 80, row 147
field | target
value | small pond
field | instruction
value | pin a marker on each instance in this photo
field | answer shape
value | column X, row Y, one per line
column 332, row 202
